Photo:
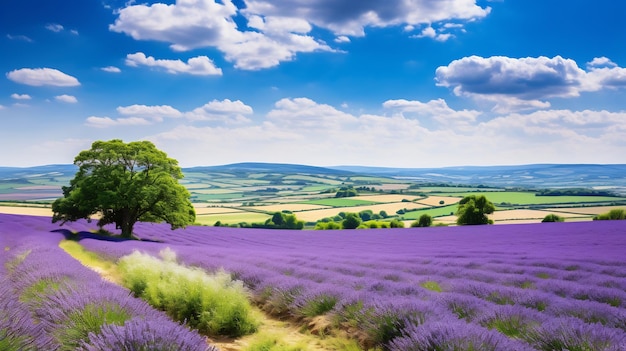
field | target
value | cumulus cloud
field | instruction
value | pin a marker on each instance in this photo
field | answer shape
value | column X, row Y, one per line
column 154, row 113
column 106, row 122
column 429, row 32
column 221, row 112
column 42, row 77
column 437, row 110
column 21, row 96
column 601, row 62
column 347, row 17
column 54, row 27
column 66, row 98
column 20, row 38
column 526, row 83
column 227, row 111
column 278, row 30
column 190, row 24
column 111, row 69
column 200, row 65
column 342, row 39
column 323, row 135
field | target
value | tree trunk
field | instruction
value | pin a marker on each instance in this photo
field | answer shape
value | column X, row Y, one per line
column 127, row 226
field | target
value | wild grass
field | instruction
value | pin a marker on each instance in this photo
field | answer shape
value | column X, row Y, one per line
column 273, row 342
column 81, row 323
column 212, row 303
column 107, row 269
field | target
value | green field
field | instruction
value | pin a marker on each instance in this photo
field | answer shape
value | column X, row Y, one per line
column 529, row 198
column 232, row 218
column 340, row 202
column 433, row 212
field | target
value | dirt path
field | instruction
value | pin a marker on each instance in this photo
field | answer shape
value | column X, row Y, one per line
column 286, row 332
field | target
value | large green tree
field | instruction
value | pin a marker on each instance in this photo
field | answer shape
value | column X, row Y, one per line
column 123, row 183
column 474, row 209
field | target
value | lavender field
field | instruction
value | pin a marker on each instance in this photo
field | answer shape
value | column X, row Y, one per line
column 552, row 286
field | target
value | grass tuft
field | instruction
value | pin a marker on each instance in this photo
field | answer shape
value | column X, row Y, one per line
column 212, row 303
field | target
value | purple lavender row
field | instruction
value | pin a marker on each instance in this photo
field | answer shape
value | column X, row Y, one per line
column 49, row 301
column 373, row 279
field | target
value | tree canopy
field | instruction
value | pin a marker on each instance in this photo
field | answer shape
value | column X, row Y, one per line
column 474, row 209
column 352, row 221
column 123, row 183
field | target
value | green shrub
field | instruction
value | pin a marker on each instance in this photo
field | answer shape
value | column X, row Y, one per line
column 425, row 220
column 318, row 305
column 615, row 214
column 88, row 320
column 431, row 285
column 552, row 218
column 212, row 303
column 12, row 342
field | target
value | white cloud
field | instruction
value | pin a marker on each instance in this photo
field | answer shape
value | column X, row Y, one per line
column 227, row 111
column 42, row 77
column 526, row 83
column 347, row 17
column 54, row 27
column 301, row 130
column 111, row 69
column 342, row 39
column 156, row 113
column 66, row 98
column 20, row 38
column 280, row 29
column 429, row 32
column 601, row 62
column 190, row 24
column 106, row 122
column 437, row 110
column 200, row 66
column 21, row 96
column 2, row 107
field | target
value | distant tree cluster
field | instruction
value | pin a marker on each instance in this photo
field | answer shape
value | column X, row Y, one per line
column 615, row 214
column 362, row 220
column 473, row 210
column 279, row 220
column 425, row 220
column 552, row 218
column 573, row 192
column 346, row 191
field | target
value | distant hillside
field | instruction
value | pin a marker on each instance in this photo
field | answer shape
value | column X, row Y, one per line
column 11, row 173
column 536, row 175
column 282, row 168
column 611, row 177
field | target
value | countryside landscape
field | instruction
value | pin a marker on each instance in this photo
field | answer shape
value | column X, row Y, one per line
column 516, row 285
column 312, row 175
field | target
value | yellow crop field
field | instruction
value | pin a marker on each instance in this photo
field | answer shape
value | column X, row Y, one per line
column 294, row 207
column 386, row 198
column 24, row 210
column 215, row 210
column 434, row 200
column 391, row 208
column 592, row 211
column 518, row 215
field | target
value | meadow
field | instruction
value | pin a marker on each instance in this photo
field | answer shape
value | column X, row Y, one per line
column 551, row 286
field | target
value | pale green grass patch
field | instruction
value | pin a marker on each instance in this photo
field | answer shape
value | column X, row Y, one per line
column 211, row 302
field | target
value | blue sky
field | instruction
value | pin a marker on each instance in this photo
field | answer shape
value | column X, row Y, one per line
column 402, row 83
